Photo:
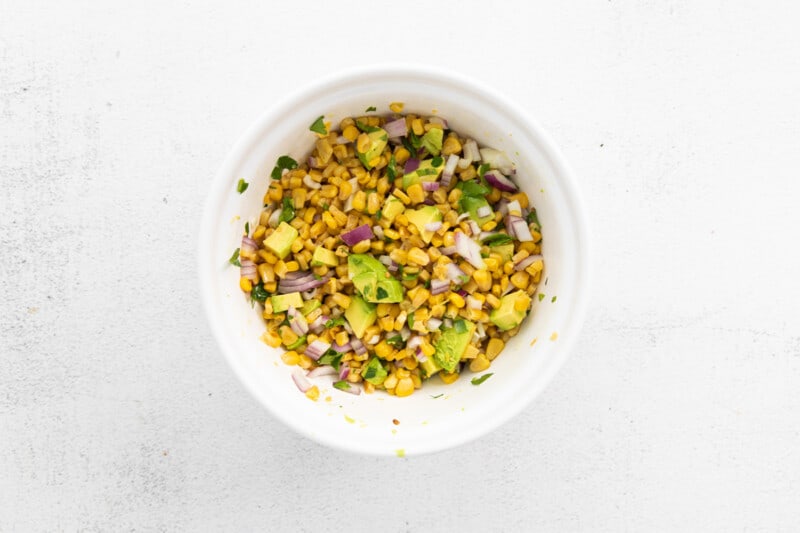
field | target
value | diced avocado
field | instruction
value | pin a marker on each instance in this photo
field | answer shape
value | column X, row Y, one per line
column 432, row 141
column 281, row 302
column 374, row 372
column 451, row 345
column 310, row 305
column 323, row 256
column 471, row 204
column 372, row 279
column 392, row 208
column 366, row 283
column 360, row 315
column 508, row 316
column 505, row 250
column 429, row 367
column 377, row 142
column 422, row 216
column 280, row 242
column 428, row 170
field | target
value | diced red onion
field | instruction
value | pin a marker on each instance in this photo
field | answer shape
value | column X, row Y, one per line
column 448, row 250
column 498, row 159
column 454, row 273
column 526, row 262
column 299, row 324
column 438, row 120
column 521, row 230
column 312, row 161
column 302, row 284
column 273, row 218
column 392, row 267
column 502, row 207
column 354, row 388
column 414, row 342
column 324, row 370
column 291, row 312
column 500, row 182
column 421, row 357
column 249, row 245
column 361, row 233
column 474, row 228
column 433, row 226
column 378, row 231
column 448, row 322
column 433, row 324
column 297, row 274
column 374, row 339
column 438, row 286
column 396, row 128
column 462, row 216
column 309, row 295
column 449, row 168
column 358, row 346
column 429, row 201
column 341, row 139
column 300, row 380
column 348, row 329
column 471, row 154
column 405, row 333
column 344, row 371
column 385, row 260
column 483, row 211
column 514, row 208
column 430, row 186
column 310, row 183
column 316, row 349
column 341, row 348
column 411, row 165
column 318, row 324
column 248, row 270
column 462, row 293
column 348, row 204
column 473, row 303
column 479, row 329
column 509, row 226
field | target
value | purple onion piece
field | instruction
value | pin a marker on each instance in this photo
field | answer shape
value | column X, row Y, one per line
column 361, row 233
column 411, row 165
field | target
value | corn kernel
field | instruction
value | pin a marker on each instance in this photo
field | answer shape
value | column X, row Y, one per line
column 493, row 348
column 480, row 363
column 396, row 107
column 342, row 300
column 416, row 255
column 359, row 201
column 520, row 279
column 280, row 269
column 404, row 387
column 457, row 300
column 521, row 304
column 483, row 279
column 448, row 377
column 416, row 193
column 288, row 336
column 451, row 145
column 361, row 246
column 290, row 358
column 245, row 284
column 373, row 203
column 417, row 126
column 390, row 382
column 313, row 393
column 350, row 133
column 271, row 339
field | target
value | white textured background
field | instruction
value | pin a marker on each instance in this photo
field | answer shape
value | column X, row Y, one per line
column 679, row 409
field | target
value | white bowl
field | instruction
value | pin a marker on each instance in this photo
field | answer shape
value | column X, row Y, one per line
column 427, row 423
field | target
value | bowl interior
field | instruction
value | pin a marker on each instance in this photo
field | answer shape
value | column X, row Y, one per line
column 438, row 416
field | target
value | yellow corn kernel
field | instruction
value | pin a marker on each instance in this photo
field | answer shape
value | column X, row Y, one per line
column 313, row 393
column 410, row 362
column 480, row 363
column 342, row 300
column 345, row 189
column 271, row 286
column 245, row 284
column 275, row 192
column 361, row 246
column 290, row 358
column 451, row 145
column 304, row 362
column 520, row 279
column 377, row 246
column 390, row 382
column 417, row 256
column 271, row 339
column 359, row 201
column 417, row 126
column 427, row 348
column 373, row 203
column 396, row 107
column 292, row 266
column 508, row 268
column 401, row 155
column 399, row 256
column 371, row 332
column 329, row 221
column 457, row 300
column 417, row 381
column 341, row 338
column 362, row 143
column 489, row 226
column 350, row 133
column 521, row 197
column 483, row 278
column 299, row 198
column 386, row 323
column 404, row 387
column 521, row 304
column 287, row 335
column 280, row 269
column 403, row 197
column 493, row 348
column 383, row 350
column 259, row 232
column 416, row 193
column 391, row 234
column 266, row 272
column 448, row 378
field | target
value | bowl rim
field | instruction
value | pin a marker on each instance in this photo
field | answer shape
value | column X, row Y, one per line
column 572, row 196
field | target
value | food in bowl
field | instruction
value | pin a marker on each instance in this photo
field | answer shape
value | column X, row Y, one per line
column 399, row 250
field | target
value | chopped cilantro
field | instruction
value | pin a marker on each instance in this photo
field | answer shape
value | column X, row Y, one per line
column 341, row 385
column 473, row 188
column 331, row 357
column 381, row 293
column 333, row 322
column 541, row 296
column 371, row 108
column 461, row 326
column 553, row 299
column 247, row 228
column 391, row 169
column 408, row 146
column 426, row 171
column 325, row 207
column 410, row 277
column 374, row 372
column 284, row 163
column 234, row 260
column 478, row 381
column 437, row 161
column 463, row 279
column 366, row 128
column 415, row 141
column 258, row 293
column 319, row 126
column 287, row 214
column 497, row 240
column 411, row 319
column 241, row 186
column 482, row 169
column 532, row 217
column 438, row 395
column 396, row 341
column 378, row 214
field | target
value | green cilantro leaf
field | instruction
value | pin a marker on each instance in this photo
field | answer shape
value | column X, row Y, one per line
column 391, row 169
column 331, row 357
column 371, row 108
column 284, row 163
column 541, row 296
column 366, row 128
column 287, row 214
column 478, row 381
column 258, row 293
column 241, row 186
column 378, row 214
column 437, row 161
column 341, row 385
column 234, row 260
column 333, row 322
column 553, row 299
column 411, row 319
column 381, row 293
column 415, row 141
column 461, row 326
column 532, row 217
column 497, row 240
column 438, row 395
column 482, row 169
column 396, row 341
column 247, row 228
column 319, row 126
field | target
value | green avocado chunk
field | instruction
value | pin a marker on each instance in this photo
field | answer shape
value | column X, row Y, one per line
column 432, row 141
column 377, row 142
column 323, row 256
column 452, row 343
column 374, row 372
column 422, row 216
column 506, row 316
column 280, row 242
column 282, row 302
column 360, row 315
column 428, row 170
column 372, row 279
